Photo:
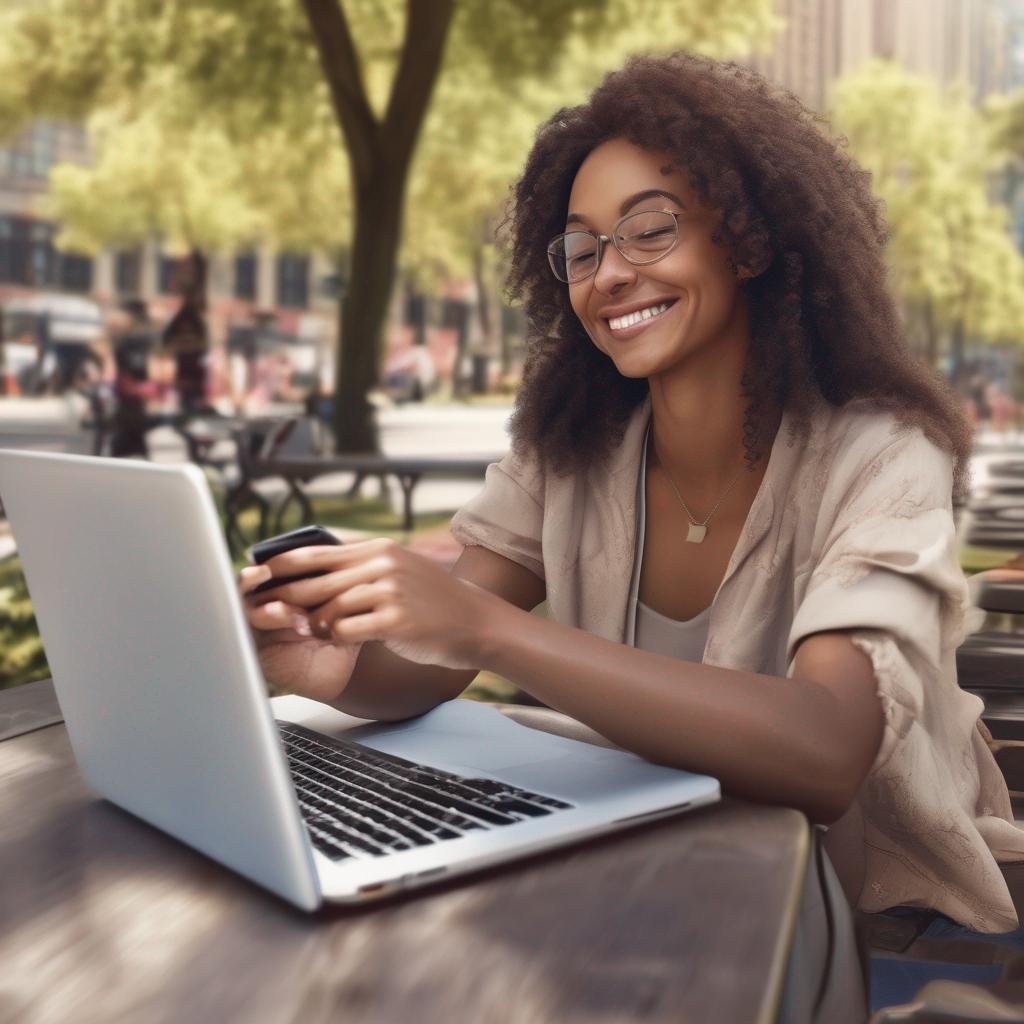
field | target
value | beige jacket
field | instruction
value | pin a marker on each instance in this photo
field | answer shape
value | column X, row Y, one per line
column 851, row 530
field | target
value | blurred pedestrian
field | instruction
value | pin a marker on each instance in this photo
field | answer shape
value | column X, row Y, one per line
column 977, row 391
column 187, row 339
column 1001, row 407
column 133, row 388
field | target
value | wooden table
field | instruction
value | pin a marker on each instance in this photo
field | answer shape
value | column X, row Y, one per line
column 103, row 918
column 298, row 470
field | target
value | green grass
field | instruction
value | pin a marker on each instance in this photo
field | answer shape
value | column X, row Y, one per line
column 372, row 516
column 21, row 653
column 974, row 560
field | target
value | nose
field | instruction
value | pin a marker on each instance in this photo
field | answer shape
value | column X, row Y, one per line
column 614, row 273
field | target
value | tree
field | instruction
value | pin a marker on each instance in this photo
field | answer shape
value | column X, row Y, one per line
column 932, row 157
column 252, row 67
column 202, row 194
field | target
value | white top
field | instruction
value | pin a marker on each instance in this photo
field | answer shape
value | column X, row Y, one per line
column 678, row 638
column 684, row 639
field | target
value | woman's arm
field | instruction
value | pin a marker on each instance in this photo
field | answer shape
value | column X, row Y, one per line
column 386, row 686
column 807, row 741
column 366, row 678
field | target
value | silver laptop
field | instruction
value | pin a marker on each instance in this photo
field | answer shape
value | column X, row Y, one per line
column 159, row 683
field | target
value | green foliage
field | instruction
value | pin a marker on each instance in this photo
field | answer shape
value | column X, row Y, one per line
column 159, row 170
column 1005, row 116
column 200, row 108
column 486, row 110
column 211, row 123
column 21, row 651
column 932, row 156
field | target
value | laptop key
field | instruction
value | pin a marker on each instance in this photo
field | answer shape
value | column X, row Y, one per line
column 365, row 803
column 489, row 787
column 387, row 836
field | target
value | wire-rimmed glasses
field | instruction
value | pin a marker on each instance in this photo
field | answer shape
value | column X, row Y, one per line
column 641, row 238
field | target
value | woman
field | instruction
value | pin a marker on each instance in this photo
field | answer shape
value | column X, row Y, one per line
column 729, row 480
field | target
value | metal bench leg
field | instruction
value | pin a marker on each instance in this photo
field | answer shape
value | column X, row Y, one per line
column 305, row 506
column 231, row 530
column 353, row 491
column 233, row 504
column 408, row 482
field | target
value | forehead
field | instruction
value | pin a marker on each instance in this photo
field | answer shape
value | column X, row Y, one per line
column 618, row 169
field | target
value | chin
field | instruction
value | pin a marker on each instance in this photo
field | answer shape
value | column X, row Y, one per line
column 635, row 369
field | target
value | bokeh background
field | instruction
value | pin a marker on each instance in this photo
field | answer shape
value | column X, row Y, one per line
column 255, row 208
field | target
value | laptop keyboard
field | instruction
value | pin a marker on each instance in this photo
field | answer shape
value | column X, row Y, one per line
column 358, row 802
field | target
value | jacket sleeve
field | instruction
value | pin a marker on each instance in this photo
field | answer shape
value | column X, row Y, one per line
column 507, row 516
column 933, row 812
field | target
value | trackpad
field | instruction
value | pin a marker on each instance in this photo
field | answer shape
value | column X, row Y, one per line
column 466, row 734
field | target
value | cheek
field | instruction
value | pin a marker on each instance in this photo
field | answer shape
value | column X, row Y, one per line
column 578, row 301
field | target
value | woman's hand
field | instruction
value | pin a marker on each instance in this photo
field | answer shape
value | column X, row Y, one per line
column 292, row 659
column 378, row 590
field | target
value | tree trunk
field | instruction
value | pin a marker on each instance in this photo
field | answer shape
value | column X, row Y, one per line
column 379, row 153
column 460, row 378
column 483, row 301
column 364, row 313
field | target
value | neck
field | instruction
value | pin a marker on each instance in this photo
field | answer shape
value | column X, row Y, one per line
column 697, row 427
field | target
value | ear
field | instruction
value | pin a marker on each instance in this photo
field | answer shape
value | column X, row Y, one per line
column 744, row 273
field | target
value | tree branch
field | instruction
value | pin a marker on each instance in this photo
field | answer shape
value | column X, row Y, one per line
column 426, row 31
column 340, row 63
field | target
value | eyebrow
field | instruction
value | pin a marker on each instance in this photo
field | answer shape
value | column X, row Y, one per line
column 628, row 204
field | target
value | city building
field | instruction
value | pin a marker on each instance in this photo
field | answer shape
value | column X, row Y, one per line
column 260, row 301
column 978, row 41
column 257, row 297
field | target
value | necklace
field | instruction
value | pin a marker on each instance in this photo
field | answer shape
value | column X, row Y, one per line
column 698, row 531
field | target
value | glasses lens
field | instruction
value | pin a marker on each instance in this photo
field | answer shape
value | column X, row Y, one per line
column 573, row 256
column 643, row 237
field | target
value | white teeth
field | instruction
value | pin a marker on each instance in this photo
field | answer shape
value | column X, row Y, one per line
column 618, row 323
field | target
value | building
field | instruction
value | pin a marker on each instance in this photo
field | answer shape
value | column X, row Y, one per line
column 260, row 301
column 978, row 41
column 284, row 298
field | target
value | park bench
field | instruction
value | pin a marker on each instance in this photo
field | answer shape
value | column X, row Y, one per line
column 286, row 449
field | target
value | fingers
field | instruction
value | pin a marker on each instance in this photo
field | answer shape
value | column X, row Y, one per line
column 358, row 629
column 275, row 637
column 322, row 559
column 251, row 577
column 359, row 599
column 318, row 590
column 276, row 615
column 327, row 558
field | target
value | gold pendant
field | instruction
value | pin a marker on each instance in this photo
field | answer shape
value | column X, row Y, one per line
column 695, row 534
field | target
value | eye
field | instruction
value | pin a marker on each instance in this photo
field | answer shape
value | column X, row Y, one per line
column 644, row 236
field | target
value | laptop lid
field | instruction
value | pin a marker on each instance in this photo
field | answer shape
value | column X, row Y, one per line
column 152, row 658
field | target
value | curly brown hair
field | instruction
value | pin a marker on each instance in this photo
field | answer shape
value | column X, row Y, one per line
column 795, row 208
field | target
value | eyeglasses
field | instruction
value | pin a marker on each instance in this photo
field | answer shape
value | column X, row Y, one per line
column 641, row 238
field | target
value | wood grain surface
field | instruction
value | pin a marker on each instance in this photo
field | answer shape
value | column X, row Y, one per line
column 103, row 918
column 27, row 707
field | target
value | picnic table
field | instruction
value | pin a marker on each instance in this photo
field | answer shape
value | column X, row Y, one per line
column 105, row 918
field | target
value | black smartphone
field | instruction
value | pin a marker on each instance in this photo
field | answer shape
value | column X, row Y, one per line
column 303, row 537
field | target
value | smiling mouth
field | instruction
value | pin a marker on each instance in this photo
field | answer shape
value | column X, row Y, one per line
column 638, row 317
